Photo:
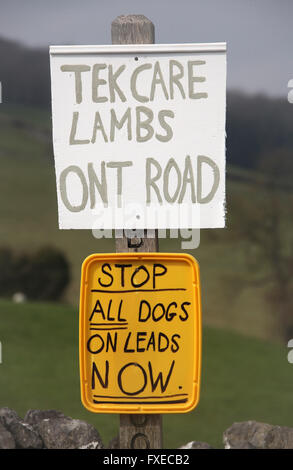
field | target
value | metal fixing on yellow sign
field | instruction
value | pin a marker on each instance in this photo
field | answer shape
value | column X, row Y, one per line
column 140, row 333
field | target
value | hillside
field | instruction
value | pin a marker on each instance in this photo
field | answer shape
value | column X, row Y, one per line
column 255, row 124
column 29, row 220
column 31, row 86
column 242, row 378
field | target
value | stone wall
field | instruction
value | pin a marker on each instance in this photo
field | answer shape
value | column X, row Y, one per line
column 51, row 429
column 46, row 429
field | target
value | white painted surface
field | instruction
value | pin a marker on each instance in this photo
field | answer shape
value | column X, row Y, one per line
column 198, row 128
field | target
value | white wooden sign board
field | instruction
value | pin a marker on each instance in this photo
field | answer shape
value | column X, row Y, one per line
column 139, row 135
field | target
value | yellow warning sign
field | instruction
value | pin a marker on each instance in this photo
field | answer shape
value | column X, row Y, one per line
column 140, row 333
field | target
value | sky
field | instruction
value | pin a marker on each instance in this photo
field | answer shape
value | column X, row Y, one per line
column 259, row 33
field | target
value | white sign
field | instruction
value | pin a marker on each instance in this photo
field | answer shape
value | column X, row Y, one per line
column 139, row 135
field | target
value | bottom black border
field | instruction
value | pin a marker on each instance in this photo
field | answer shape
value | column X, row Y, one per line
column 107, row 458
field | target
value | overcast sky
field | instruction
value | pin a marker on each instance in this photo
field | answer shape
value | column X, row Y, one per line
column 259, row 33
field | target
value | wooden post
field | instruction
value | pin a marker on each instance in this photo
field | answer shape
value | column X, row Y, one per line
column 142, row 431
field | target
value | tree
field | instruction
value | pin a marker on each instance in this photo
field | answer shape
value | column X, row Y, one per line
column 267, row 225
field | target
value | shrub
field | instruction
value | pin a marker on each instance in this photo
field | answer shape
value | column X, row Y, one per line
column 44, row 275
column 7, row 272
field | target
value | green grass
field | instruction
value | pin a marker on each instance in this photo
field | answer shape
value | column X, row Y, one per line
column 242, row 378
column 29, row 220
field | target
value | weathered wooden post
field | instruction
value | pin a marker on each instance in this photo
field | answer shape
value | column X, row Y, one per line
column 137, row 431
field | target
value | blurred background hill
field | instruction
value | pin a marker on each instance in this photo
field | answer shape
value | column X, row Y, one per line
column 255, row 124
column 246, row 269
column 26, row 74
column 239, row 263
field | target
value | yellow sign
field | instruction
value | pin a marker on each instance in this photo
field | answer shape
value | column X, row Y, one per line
column 140, row 333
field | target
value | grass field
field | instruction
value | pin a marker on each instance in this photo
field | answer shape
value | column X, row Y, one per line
column 28, row 208
column 242, row 378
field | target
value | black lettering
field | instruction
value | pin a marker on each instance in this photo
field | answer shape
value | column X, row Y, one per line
column 139, row 338
column 160, row 347
column 119, row 312
column 157, row 274
column 175, row 345
column 151, row 342
column 162, row 314
column 109, row 311
column 97, row 310
column 96, row 373
column 111, row 343
column 184, row 310
column 140, row 311
column 170, row 316
column 108, row 274
column 122, row 267
column 136, row 272
column 159, row 378
column 120, row 378
column 89, row 346
column 126, row 344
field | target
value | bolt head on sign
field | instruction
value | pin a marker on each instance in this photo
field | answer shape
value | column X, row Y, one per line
column 140, row 333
